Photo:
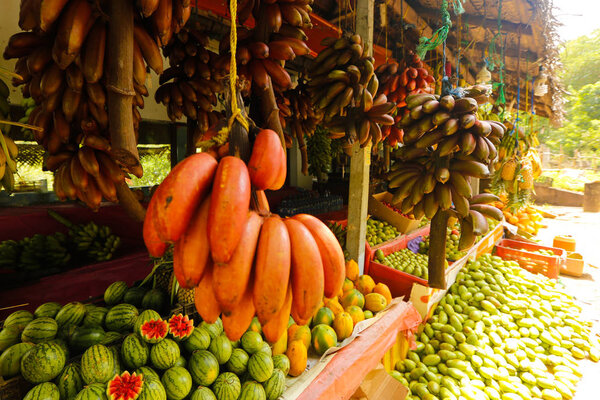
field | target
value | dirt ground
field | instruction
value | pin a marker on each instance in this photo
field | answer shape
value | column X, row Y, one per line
column 585, row 228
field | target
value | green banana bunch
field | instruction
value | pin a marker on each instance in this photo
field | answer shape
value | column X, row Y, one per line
column 95, row 242
column 57, row 254
column 34, row 252
column 10, row 252
column 319, row 153
column 29, row 105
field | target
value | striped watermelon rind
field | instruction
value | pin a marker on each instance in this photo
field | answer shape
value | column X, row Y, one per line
column 95, row 316
column 10, row 360
column 152, row 389
column 203, row 393
column 69, row 382
column 97, row 364
column 18, row 319
column 227, row 386
column 84, row 337
column 145, row 316
column 252, row 390
column 95, row 391
column 114, row 350
column 282, row 362
column 260, row 366
column 198, row 340
column 134, row 296
column 70, row 314
column 125, row 386
column 164, row 355
column 9, row 336
column 155, row 299
column 214, row 329
column 121, row 318
column 134, row 352
column 238, row 362
column 275, row 385
column 147, row 372
column 40, row 330
column 203, row 367
column 114, row 292
column 221, row 348
column 47, row 310
column 251, row 342
column 180, row 327
column 43, row 391
column 43, row 362
column 63, row 345
column 177, row 382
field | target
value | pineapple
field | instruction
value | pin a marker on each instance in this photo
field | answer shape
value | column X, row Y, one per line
column 508, row 170
column 185, row 296
column 527, row 176
column 162, row 277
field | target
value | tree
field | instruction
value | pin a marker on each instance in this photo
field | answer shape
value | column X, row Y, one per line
column 581, row 61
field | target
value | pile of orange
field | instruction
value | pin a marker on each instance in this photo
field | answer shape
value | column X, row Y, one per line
column 528, row 219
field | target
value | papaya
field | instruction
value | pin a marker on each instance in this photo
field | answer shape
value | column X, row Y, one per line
column 332, row 255
column 266, row 159
column 280, row 181
column 298, row 355
column 238, row 320
column 306, row 272
column 229, row 204
column 179, row 194
column 204, row 297
column 155, row 245
column 272, row 268
column 277, row 325
column 229, row 291
column 190, row 254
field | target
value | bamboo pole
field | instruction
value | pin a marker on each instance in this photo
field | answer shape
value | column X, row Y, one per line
column 437, row 250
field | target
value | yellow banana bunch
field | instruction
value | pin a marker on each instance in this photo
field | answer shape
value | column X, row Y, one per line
column 8, row 162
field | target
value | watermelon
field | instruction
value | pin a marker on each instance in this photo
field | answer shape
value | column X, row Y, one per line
column 180, row 327
column 203, row 367
column 154, row 331
column 275, row 385
column 97, row 364
column 238, row 362
column 260, row 366
column 70, row 314
column 227, row 386
column 86, row 336
column 18, row 319
column 147, row 372
column 65, row 332
column 145, row 316
column 10, row 360
column 134, row 351
column 9, row 336
column 40, row 330
column 265, row 348
column 114, row 293
column 221, row 348
column 235, row 344
column 110, row 337
column 152, row 389
column 282, row 362
column 181, row 362
column 214, row 329
column 198, row 340
column 125, row 387
column 121, row 318
column 62, row 344
column 252, row 342
column 95, row 391
column 203, row 393
column 47, row 310
column 43, row 362
column 114, row 350
column 43, row 391
column 69, row 381
column 134, row 296
column 177, row 382
column 164, row 355
column 95, row 316
column 155, row 299
column 252, row 391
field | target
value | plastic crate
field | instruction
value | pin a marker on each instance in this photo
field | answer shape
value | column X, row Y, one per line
column 487, row 243
column 523, row 253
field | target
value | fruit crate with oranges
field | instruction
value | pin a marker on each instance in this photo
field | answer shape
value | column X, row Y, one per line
column 533, row 257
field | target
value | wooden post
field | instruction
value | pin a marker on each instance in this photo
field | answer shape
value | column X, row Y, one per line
column 437, row 250
column 358, row 198
column 120, row 98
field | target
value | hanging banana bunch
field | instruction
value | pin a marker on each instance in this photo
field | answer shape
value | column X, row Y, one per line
column 444, row 146
column 344, row 86
column 190, row 85
column 8, row 162
column 397, row 81
column 61, row 59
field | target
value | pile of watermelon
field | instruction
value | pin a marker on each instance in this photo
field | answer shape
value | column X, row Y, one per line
column 127, row 351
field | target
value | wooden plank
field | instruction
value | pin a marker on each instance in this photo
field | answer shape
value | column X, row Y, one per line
column 358, row 198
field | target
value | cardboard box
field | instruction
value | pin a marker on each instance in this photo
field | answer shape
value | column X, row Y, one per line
column 378, row 384
column 574, row 265
column 383, row 212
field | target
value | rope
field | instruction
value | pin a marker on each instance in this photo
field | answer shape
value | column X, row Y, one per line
column 439, row 36
column 458, row 39
column 516, row 127
column 236, row 113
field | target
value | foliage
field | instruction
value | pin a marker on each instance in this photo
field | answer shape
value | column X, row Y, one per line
column 570, row 179
column 581, row 61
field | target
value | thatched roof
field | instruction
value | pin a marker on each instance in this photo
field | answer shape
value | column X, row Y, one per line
column 530, row 20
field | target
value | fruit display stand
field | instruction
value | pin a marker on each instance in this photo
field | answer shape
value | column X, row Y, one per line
column 339, row 373
column 528, row 256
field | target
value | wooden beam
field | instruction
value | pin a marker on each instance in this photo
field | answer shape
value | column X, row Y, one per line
column 411, row 16
column 360, row 161
column 477, row 20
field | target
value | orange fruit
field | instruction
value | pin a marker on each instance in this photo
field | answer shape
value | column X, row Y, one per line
column 352, row 271
column 365, row 284
column 383, row 290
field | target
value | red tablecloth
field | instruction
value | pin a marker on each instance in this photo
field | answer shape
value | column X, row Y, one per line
column 345, row 372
